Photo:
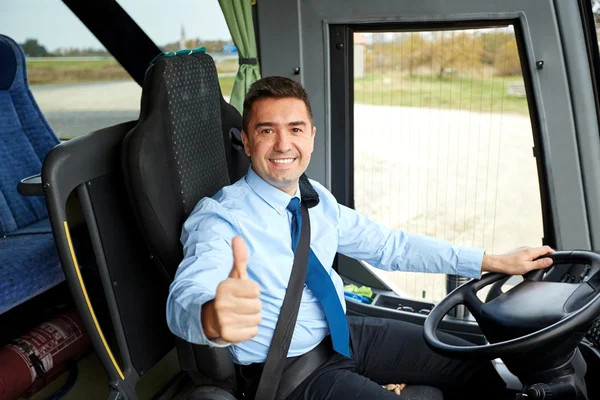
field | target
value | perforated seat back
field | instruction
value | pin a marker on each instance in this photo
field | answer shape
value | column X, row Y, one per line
column 181, row 150
column 25, row 140
column 177, row 152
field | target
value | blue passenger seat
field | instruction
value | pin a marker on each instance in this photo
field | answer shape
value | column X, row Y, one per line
column 29, row 263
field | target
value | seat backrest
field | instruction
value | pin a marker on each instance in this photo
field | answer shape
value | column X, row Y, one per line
column 176, row 154
column 25, row 138
column 186, row 146
column 114, row 285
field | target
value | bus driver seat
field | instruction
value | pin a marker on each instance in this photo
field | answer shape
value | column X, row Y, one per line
column 186, row 146
column 172, row 158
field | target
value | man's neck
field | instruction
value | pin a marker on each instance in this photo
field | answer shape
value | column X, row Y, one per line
column 290, row 189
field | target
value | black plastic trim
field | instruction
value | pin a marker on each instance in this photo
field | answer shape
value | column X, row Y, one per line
column 31, row 186
column 256, row 32
column 107, row 284
column 342, row 113
column 62, row 170
column 466, row 329
column 354, row 270
column 67, row 166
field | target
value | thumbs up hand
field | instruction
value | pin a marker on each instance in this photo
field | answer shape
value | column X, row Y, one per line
column 234, row 314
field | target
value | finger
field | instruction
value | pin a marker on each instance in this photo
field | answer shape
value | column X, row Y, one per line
column 247, row 306
column 248, row 289
column 238, row 335
column 235, row 322
column 240, row 321
column 240, row 259
column 540, row 251
column 542, row 263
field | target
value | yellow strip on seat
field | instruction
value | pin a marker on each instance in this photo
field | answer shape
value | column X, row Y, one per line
column 89, row 304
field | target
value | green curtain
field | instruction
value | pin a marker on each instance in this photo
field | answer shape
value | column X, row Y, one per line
column 238, row 15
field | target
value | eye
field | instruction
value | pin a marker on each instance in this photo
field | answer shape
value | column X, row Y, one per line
column 266, row 131
column 296, row 130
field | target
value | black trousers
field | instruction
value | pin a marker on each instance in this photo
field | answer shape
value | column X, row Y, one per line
column 388, row 351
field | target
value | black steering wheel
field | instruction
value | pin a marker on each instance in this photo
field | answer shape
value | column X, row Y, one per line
column 533, row 314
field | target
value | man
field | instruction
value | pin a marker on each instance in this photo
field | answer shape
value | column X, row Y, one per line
column 238, row 254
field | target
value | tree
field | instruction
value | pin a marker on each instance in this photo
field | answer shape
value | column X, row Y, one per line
column 458, row 52
column 212, row 46
column 403, row 52
column 506, row 60
column 32, row 48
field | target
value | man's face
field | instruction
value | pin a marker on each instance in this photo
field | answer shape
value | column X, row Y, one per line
column 280, row 140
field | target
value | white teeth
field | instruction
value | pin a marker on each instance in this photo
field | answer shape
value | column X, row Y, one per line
column 283, row 161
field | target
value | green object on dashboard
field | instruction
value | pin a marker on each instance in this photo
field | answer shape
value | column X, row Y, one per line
column 363, row 290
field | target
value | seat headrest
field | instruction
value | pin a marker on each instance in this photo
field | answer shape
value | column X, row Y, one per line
column 12, row 60
column 176, row 154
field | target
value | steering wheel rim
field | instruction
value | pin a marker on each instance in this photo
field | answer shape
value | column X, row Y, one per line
column 467, row 295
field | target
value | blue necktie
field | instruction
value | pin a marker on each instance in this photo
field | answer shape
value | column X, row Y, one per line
column 320, row 283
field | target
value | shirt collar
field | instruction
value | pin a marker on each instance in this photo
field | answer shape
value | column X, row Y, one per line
column 276, row 198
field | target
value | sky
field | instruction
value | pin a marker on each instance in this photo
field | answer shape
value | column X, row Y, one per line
column 55, row 26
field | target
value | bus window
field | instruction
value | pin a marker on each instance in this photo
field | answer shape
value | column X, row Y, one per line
column 78, row 85
column 443, row 142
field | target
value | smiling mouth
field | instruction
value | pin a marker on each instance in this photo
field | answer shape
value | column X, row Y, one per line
column 282, row 161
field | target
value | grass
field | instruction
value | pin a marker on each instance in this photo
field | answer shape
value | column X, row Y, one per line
column 475, row 94
column 466, row 93
column 226, row 83
column 57, row 72
column 61, row 72
column 228, row 65
column 71, row 65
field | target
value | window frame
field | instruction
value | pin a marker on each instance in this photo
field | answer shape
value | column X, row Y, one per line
column 342, row 102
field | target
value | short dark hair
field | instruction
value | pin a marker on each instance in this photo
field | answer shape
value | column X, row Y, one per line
column 277, row 87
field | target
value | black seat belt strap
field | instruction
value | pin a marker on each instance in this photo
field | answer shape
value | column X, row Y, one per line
column 282, row 337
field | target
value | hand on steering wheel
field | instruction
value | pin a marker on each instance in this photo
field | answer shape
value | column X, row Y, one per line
column 532, row 314
column 518, row 261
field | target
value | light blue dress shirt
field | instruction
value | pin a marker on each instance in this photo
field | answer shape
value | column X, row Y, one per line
column 256, row 211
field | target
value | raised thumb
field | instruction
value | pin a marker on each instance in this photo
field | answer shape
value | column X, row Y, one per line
column 240, row 259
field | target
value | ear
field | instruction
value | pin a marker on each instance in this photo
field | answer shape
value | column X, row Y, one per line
column 312, row 138
column 245, row 142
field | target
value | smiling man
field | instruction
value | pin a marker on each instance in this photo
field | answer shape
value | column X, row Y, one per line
column 238, row 254
column 278, row 158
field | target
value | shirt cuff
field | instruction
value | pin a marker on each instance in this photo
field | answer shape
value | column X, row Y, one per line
column 201, row 336
column 469, row 262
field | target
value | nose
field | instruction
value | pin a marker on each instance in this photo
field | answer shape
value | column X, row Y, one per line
column 282, row 142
